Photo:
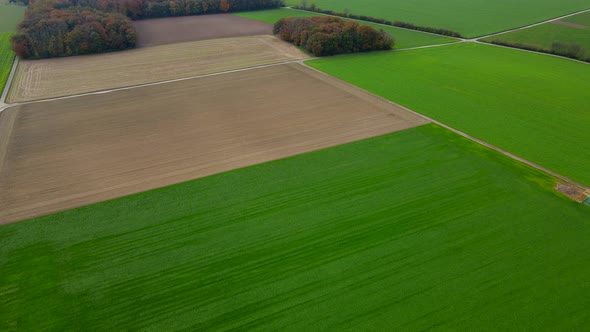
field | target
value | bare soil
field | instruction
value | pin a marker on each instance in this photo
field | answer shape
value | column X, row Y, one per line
column 72, row 152
column 172, row 30
column 575, row 193
column 49, row 78
column 569, row 24
column 6, row 125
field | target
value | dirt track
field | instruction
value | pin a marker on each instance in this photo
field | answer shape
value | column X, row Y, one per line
column 172, row 30
column 569, row 24
column 41, row 79
column 72, row 152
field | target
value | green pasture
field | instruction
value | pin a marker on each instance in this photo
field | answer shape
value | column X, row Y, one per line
column 10, row 16
column 532, row 105
column 6, row 59
column 581, row 19
column 544, row 35
column 469, row 17
column 419, row 229
column 403, row 38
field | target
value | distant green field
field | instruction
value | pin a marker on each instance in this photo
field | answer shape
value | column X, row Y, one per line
column 414, row 230
column 470, row 17
column 10, row 16
column 532, row 105
column 544, row 35
column 403, row 38
column 6, row 59
column 582, row 19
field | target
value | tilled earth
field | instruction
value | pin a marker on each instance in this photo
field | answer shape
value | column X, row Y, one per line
column 72, row 152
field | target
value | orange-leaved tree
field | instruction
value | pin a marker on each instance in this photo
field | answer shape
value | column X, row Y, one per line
column 224, row 6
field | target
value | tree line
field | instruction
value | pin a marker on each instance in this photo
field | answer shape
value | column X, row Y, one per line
column 568, row 50
column 55, row 28
column 400, row 24
column 141, row 9
column 326, row 35
column 72, row 31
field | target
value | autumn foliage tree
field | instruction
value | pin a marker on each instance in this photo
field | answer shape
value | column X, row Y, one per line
column 325, row 35
column 224, row 6
column 141, row 9
column 54, row 28
column 72, row 31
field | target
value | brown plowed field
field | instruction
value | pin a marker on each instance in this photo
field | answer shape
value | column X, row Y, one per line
column 41, row 79
column 172, row 30
column 72, row 152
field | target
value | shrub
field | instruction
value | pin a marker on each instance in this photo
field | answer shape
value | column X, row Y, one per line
column 575, row 51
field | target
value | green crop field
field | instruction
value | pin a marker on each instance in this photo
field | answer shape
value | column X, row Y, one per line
column 10, row 16
column 532, row 105
column 403, row 38
column 6, row 59
column 415, row 230
column 544, row 35
column 470, row 17
column 582, row 19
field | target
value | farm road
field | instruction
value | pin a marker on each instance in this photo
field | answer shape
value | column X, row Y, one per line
column 70, row 152
column 49, row 78
column 469, row 39
column 81, row 198
column 101, row 92
column 477, row 40
column 4, row 93
column 569, row 181
column 532, row 25
column 287, row 63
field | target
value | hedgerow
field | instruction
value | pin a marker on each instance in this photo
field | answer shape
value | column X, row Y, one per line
column 406, row 25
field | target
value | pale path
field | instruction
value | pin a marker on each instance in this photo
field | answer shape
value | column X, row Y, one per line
column 7, row 85
column 5, row 106
column 463, row 39
column 72, row 152
column 57, row 77
column 506, row 153
column 471, row 40
column 140, row 181
column 493, row 147
column 535, row 24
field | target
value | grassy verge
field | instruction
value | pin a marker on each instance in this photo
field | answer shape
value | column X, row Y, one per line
column 532, row 105
column 403, row 38
column 412, row 230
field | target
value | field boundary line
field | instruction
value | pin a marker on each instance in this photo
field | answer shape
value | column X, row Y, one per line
column 8, row 82
column 380, row 24
column 529, row 51
column 426, row 46
column 463, row 39
column 533, row 25
column 100, row 92
column 471, row 138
